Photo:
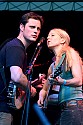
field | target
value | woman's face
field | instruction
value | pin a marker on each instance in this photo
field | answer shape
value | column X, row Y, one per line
column 53, row 39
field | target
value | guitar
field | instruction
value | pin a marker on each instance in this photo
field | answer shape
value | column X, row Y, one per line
column 16, row 96
column 58, row 71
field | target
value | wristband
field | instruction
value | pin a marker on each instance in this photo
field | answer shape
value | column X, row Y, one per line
column 64, row 82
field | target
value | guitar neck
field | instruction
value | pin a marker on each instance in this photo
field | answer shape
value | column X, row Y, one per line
column 36, row 82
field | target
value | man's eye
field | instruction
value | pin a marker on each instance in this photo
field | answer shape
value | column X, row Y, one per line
column 38, row 28
column 32, row 27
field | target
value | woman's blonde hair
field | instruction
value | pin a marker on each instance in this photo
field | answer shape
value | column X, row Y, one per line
column 63, row 34
column 66, row 48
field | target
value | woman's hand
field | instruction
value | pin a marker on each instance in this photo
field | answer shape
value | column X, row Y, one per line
column 58, row 80
column 42, row 95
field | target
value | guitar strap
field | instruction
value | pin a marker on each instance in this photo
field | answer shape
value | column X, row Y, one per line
column 61, row 61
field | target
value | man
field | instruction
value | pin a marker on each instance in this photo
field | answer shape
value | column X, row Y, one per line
column 13, row 58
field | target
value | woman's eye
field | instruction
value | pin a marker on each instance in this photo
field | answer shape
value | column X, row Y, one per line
column 52, row 35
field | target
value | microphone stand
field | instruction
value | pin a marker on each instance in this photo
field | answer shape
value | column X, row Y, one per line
column 29, row 73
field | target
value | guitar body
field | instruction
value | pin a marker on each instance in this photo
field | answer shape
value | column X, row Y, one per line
column 11, row 94
column 19, row 101
column 15, row 96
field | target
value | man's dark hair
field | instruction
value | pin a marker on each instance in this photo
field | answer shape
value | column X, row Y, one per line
column 32, row 15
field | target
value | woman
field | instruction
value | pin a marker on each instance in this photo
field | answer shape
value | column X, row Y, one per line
column 70, row 80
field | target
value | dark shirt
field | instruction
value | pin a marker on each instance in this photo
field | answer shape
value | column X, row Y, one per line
column 12, row 54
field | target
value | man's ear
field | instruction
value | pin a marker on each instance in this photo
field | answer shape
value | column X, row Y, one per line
column 21, row 27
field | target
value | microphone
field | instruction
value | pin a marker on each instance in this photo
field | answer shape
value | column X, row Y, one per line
column 36, row 50
column 40, row 42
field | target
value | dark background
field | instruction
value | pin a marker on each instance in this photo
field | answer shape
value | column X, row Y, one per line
column 71, row 21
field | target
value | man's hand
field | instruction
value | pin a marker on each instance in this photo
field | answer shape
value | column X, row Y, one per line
column 33, row 91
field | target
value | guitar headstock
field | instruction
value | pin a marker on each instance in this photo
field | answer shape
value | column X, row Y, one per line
column 59, row 68
column 57, row 72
